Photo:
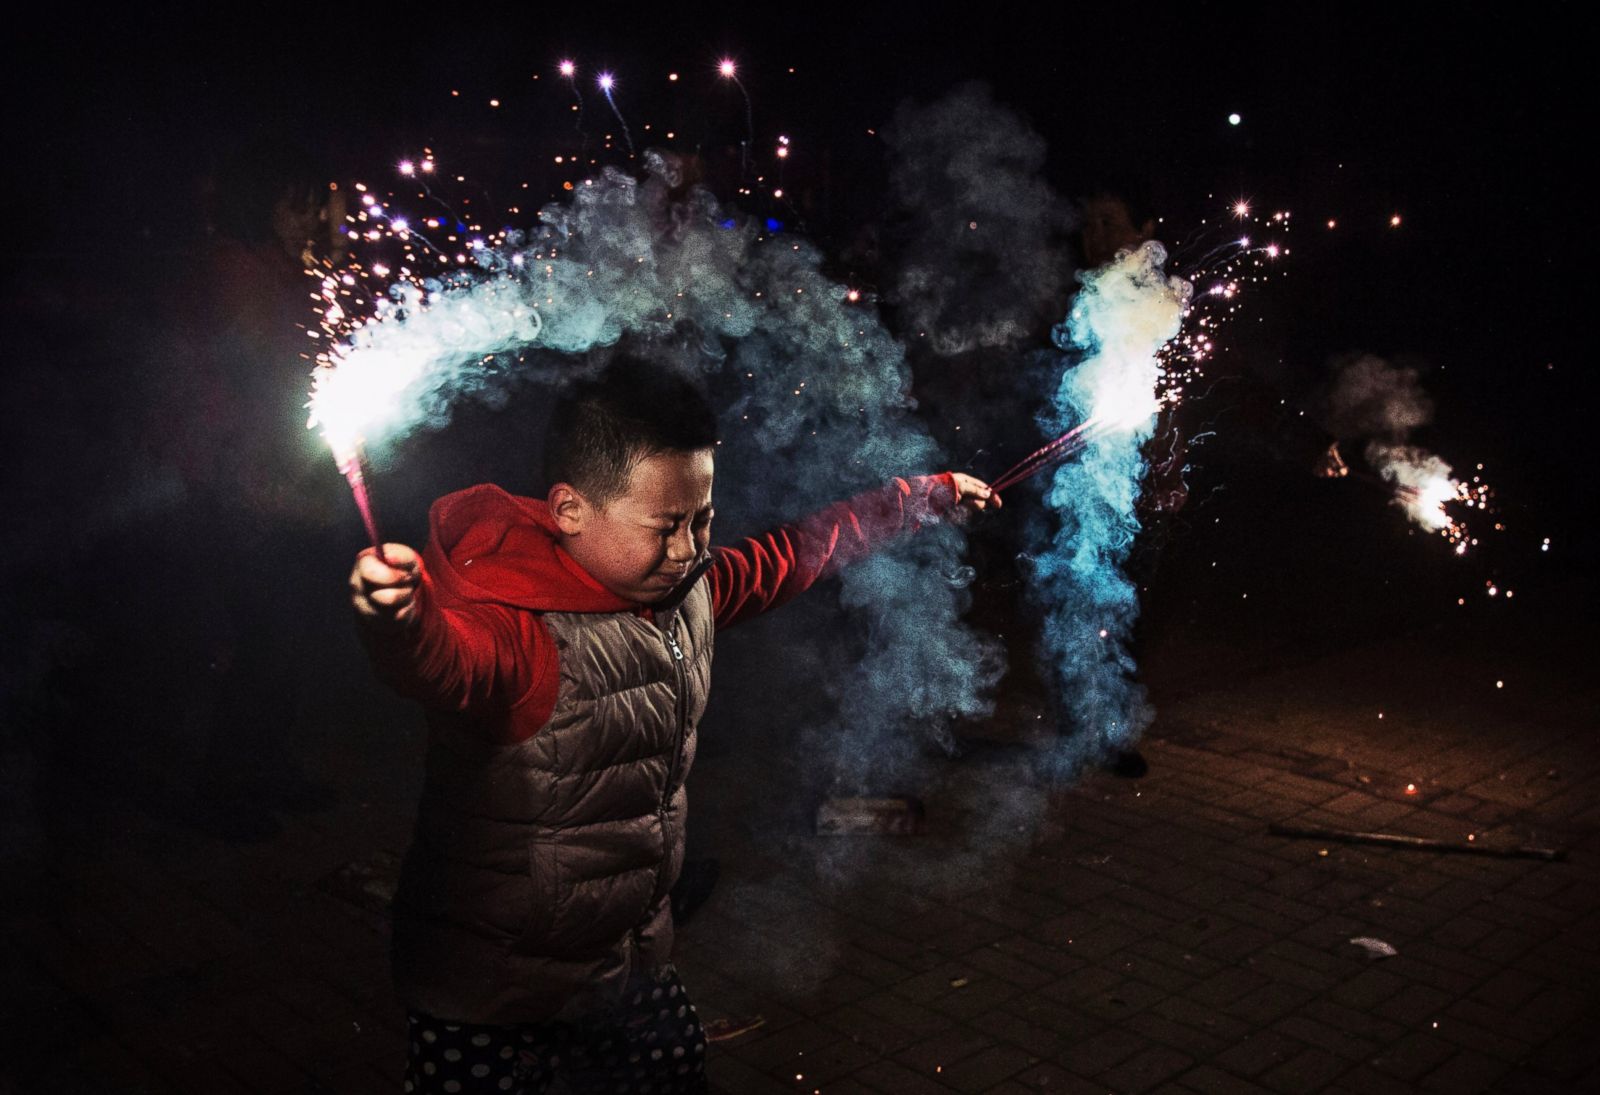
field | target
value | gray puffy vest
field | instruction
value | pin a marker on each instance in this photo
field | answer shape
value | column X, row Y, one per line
column 539, row 871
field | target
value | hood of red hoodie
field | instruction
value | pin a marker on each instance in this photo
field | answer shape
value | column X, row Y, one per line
column 489, row 546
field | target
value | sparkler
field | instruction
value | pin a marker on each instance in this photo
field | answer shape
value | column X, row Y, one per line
column 340, row 424
column 1423, row 485
column 1121, row 404
column 1229, row 267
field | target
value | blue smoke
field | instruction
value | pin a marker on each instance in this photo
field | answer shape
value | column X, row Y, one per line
column 1121, row 317
column 815, row 406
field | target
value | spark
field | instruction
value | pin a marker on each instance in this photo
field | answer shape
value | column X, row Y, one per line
column 568, row 69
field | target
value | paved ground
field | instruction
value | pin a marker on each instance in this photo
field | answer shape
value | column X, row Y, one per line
column 1116, row 937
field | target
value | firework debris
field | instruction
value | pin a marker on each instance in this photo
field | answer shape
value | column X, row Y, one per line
column 725, row 1030
column 1421, row 843
column 1375, row 948
column 901, row 816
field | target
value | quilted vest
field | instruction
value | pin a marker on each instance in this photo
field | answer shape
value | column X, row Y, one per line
column 539, row 871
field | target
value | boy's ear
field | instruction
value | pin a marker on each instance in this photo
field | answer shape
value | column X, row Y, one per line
column 568, row 507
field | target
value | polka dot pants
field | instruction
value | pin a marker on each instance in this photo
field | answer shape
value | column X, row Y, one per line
column 652, row 1043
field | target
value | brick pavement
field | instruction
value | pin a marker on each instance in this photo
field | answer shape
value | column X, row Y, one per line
column 1145, row 936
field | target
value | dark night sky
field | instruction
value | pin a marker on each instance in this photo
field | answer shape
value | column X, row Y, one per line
column 1469, row 128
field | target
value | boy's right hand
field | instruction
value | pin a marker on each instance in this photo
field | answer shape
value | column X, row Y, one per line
column 386, row 592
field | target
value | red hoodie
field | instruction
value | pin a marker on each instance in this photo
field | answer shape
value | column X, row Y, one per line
column 476, row 643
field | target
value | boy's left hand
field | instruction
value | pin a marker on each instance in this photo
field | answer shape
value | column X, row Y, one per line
column 973, row 493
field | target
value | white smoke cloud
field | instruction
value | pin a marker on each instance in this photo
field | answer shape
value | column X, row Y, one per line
column 1372, row 398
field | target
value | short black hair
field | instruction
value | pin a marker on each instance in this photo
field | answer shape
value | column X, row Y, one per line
column 601, row 428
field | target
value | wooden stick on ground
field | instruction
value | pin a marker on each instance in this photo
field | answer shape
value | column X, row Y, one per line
column 1399, row 840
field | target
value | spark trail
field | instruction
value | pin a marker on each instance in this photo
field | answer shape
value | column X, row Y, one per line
column 569, row 72
column 607, row 82
column 730, row 71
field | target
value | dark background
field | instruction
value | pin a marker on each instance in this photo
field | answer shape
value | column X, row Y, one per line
column 176, row 543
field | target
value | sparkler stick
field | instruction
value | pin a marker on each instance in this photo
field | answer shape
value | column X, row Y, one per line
column 1056, row 451
column 352, row 465
column 1400, row 840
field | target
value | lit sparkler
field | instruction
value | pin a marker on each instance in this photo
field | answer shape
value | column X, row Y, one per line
column 338, row 407
column 1226, row 270
column 1424, row 485
column 363, row 373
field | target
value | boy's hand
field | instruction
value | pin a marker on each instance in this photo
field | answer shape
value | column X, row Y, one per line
column 974, row 493
column 387, row 593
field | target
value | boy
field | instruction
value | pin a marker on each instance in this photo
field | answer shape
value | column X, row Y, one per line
column 563, row 650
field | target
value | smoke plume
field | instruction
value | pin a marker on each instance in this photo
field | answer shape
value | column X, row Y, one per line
column 1121, row 317
column 982, row 261
column 1372, row 398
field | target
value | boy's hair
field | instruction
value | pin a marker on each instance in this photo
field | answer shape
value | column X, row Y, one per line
column 601, row 428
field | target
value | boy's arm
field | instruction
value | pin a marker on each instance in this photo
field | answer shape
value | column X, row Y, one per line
column 476, row 659
column 766, row 571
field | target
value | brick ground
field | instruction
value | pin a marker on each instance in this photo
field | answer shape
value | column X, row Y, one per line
column 1145, row 936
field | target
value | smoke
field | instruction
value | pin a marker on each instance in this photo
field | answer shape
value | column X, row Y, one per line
column 983, row 260
column 814, row 406
column 1120, row 319
column 1372, row 398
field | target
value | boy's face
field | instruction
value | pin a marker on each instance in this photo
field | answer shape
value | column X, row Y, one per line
column 643, row 542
